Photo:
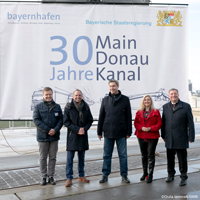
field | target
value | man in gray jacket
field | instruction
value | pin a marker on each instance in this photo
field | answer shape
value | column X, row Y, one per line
column 177, row 131
column 48, row 119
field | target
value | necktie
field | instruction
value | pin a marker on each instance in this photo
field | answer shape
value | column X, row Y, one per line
column 173, row 105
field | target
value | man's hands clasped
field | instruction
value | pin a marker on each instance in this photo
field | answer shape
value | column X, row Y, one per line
column 52, row 132
column 81, row 131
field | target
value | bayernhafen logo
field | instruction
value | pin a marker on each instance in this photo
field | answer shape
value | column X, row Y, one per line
column 169, row 18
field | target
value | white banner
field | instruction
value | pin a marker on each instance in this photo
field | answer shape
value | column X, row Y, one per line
column 68, row 47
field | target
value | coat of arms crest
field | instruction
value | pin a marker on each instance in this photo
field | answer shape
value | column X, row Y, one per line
column 169, row 18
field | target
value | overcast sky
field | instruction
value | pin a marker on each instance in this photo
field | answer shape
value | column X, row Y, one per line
column 194, row 38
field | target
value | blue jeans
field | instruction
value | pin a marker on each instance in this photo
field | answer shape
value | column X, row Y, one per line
column 107, row 156
column 69, row 165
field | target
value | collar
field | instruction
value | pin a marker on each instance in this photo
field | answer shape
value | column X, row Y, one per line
column 147, row 111
column 175, row 103
column 117, row 96
column 82, row 101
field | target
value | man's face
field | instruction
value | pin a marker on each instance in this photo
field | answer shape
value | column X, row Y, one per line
column 113, row 88
column 48, row 95
column 173, row 96
column 77, row 96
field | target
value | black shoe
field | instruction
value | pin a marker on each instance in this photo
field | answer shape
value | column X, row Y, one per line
column 169, row 179
column 143, row 177
column 183, row 183
column 125, row 179
column 52, row 181
column 150, row 178
column 43, row 182
column 104, row 179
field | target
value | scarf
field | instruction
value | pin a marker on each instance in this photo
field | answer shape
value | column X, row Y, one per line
column 79, row 109
column 146, row 115
column 50, row 104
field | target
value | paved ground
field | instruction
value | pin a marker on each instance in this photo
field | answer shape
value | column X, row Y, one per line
column 156, row 190
column 31, row 176
column 23, row 183
column 115, row 188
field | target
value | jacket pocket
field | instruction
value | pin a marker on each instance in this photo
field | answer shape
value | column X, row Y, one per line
column 41, row 135
column 70, row 133
column 122, row 126
column 56, row 113
column 105, row 126
column 44, row 114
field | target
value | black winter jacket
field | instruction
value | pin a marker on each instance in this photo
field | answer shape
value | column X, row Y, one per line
column 178, row 126
column 115, row 118
column 77, row 142
column 45, row 120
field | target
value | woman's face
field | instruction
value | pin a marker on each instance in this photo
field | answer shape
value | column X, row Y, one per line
column 147, row 102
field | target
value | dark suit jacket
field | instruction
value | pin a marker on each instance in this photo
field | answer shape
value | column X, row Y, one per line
column 115, row 118
column 178, row 126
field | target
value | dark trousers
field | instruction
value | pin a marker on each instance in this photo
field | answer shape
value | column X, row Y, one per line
column 107, row 155
column 182, row 159
column 148, row 154
column 69, row 165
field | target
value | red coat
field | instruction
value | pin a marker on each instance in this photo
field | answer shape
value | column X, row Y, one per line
column 153, row 121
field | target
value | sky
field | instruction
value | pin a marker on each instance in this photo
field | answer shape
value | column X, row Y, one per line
column 193, row 40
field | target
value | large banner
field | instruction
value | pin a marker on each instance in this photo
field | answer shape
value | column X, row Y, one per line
column 68, row 47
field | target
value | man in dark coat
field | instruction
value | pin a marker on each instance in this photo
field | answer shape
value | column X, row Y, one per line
column 177, row 131
column 78, row 119
column 48, row 119
column 115, row 121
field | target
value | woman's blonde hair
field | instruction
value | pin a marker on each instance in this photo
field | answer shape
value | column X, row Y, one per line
column 142, row 103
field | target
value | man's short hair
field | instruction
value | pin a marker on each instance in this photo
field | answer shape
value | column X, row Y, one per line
column 47, row 89
column 173, row 89
column 78, row 91
column 113, row 81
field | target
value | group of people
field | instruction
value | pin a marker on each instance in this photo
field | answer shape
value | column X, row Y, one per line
column 115, row 125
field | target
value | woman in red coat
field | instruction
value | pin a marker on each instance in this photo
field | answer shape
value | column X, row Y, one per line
column 147, row 124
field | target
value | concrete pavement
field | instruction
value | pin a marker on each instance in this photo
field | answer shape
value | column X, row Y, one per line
column 115, row 188
column 24, row 142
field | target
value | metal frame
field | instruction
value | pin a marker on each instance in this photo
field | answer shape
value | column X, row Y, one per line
column 51, row 2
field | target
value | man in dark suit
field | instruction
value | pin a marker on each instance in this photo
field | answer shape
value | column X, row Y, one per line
column 177, row 131
column 115, row 122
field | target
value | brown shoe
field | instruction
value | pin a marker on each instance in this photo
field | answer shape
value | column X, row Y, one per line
column 83, row 179
column 68, row 183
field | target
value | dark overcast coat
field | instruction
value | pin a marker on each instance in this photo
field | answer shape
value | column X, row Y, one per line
column 178, row 126
column 77, row 142
column 115, row 119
